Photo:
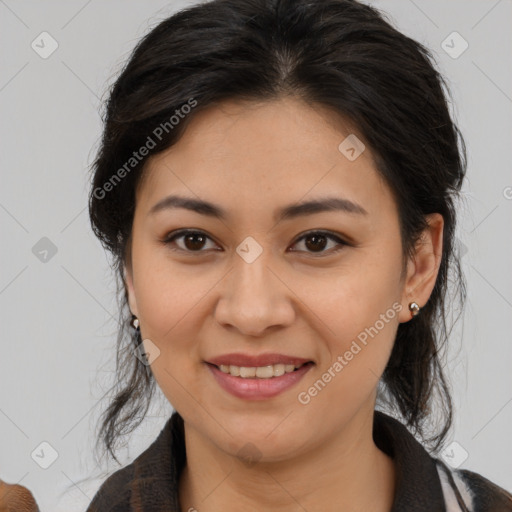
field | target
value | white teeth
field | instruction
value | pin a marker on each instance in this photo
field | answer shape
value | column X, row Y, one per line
column 234, row 370
column 247, row 372
column 260, row 372
column 265, row 372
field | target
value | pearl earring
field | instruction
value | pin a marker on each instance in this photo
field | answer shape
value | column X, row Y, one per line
column 134, row 322
column 414, row 308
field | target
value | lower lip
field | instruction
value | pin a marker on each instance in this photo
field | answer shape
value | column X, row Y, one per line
column 258, row 389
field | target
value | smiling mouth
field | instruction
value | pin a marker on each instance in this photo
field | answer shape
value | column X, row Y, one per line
column 260, row 372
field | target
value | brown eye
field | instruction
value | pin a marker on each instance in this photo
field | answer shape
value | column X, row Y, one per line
column 314, row 242
column 192, row 241
column 317, row 241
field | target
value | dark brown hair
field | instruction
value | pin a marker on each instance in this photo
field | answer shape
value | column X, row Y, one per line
column 340, row 54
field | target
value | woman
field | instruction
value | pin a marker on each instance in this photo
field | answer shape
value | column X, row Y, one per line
column 277, row 183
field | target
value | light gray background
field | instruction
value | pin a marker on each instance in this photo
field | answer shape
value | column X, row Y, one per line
column 57, row 318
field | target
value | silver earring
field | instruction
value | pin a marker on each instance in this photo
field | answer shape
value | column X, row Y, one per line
column 134, row 322
column 414, row 308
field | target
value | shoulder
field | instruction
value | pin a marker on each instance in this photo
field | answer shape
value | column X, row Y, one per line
column 465, row 490
column 114, row 494
column 149, row 479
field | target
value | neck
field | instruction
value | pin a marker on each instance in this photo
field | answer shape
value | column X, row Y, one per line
column 345, row 472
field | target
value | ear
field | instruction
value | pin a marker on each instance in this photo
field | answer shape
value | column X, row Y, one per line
column 128, row 279
column 423, row 266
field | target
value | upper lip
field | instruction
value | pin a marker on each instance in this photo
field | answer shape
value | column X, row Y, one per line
column 237, row 359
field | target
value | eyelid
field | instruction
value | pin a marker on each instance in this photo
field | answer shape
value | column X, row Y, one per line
column 170, row 237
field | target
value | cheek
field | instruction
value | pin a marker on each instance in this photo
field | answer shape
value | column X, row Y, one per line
column 361, row 331
column 352, row 299
column 357, row 351
column 170, row 303
column 167, row 292
column 358, row 314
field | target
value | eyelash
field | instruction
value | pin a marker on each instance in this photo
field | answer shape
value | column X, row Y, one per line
column 169, row 239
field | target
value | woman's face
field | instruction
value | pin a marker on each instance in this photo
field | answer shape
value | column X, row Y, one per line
column 251, row 283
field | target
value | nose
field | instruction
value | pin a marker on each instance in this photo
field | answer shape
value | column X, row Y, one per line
column 255, row 298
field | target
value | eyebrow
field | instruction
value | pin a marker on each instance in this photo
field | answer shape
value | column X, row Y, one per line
column 326, row 204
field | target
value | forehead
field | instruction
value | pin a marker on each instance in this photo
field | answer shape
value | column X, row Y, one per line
column 254, row 154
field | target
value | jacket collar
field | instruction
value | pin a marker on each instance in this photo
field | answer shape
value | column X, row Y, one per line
column 154, row 487
column 418, row 487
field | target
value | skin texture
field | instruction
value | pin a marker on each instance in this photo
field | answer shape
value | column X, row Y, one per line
column 296, row 298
